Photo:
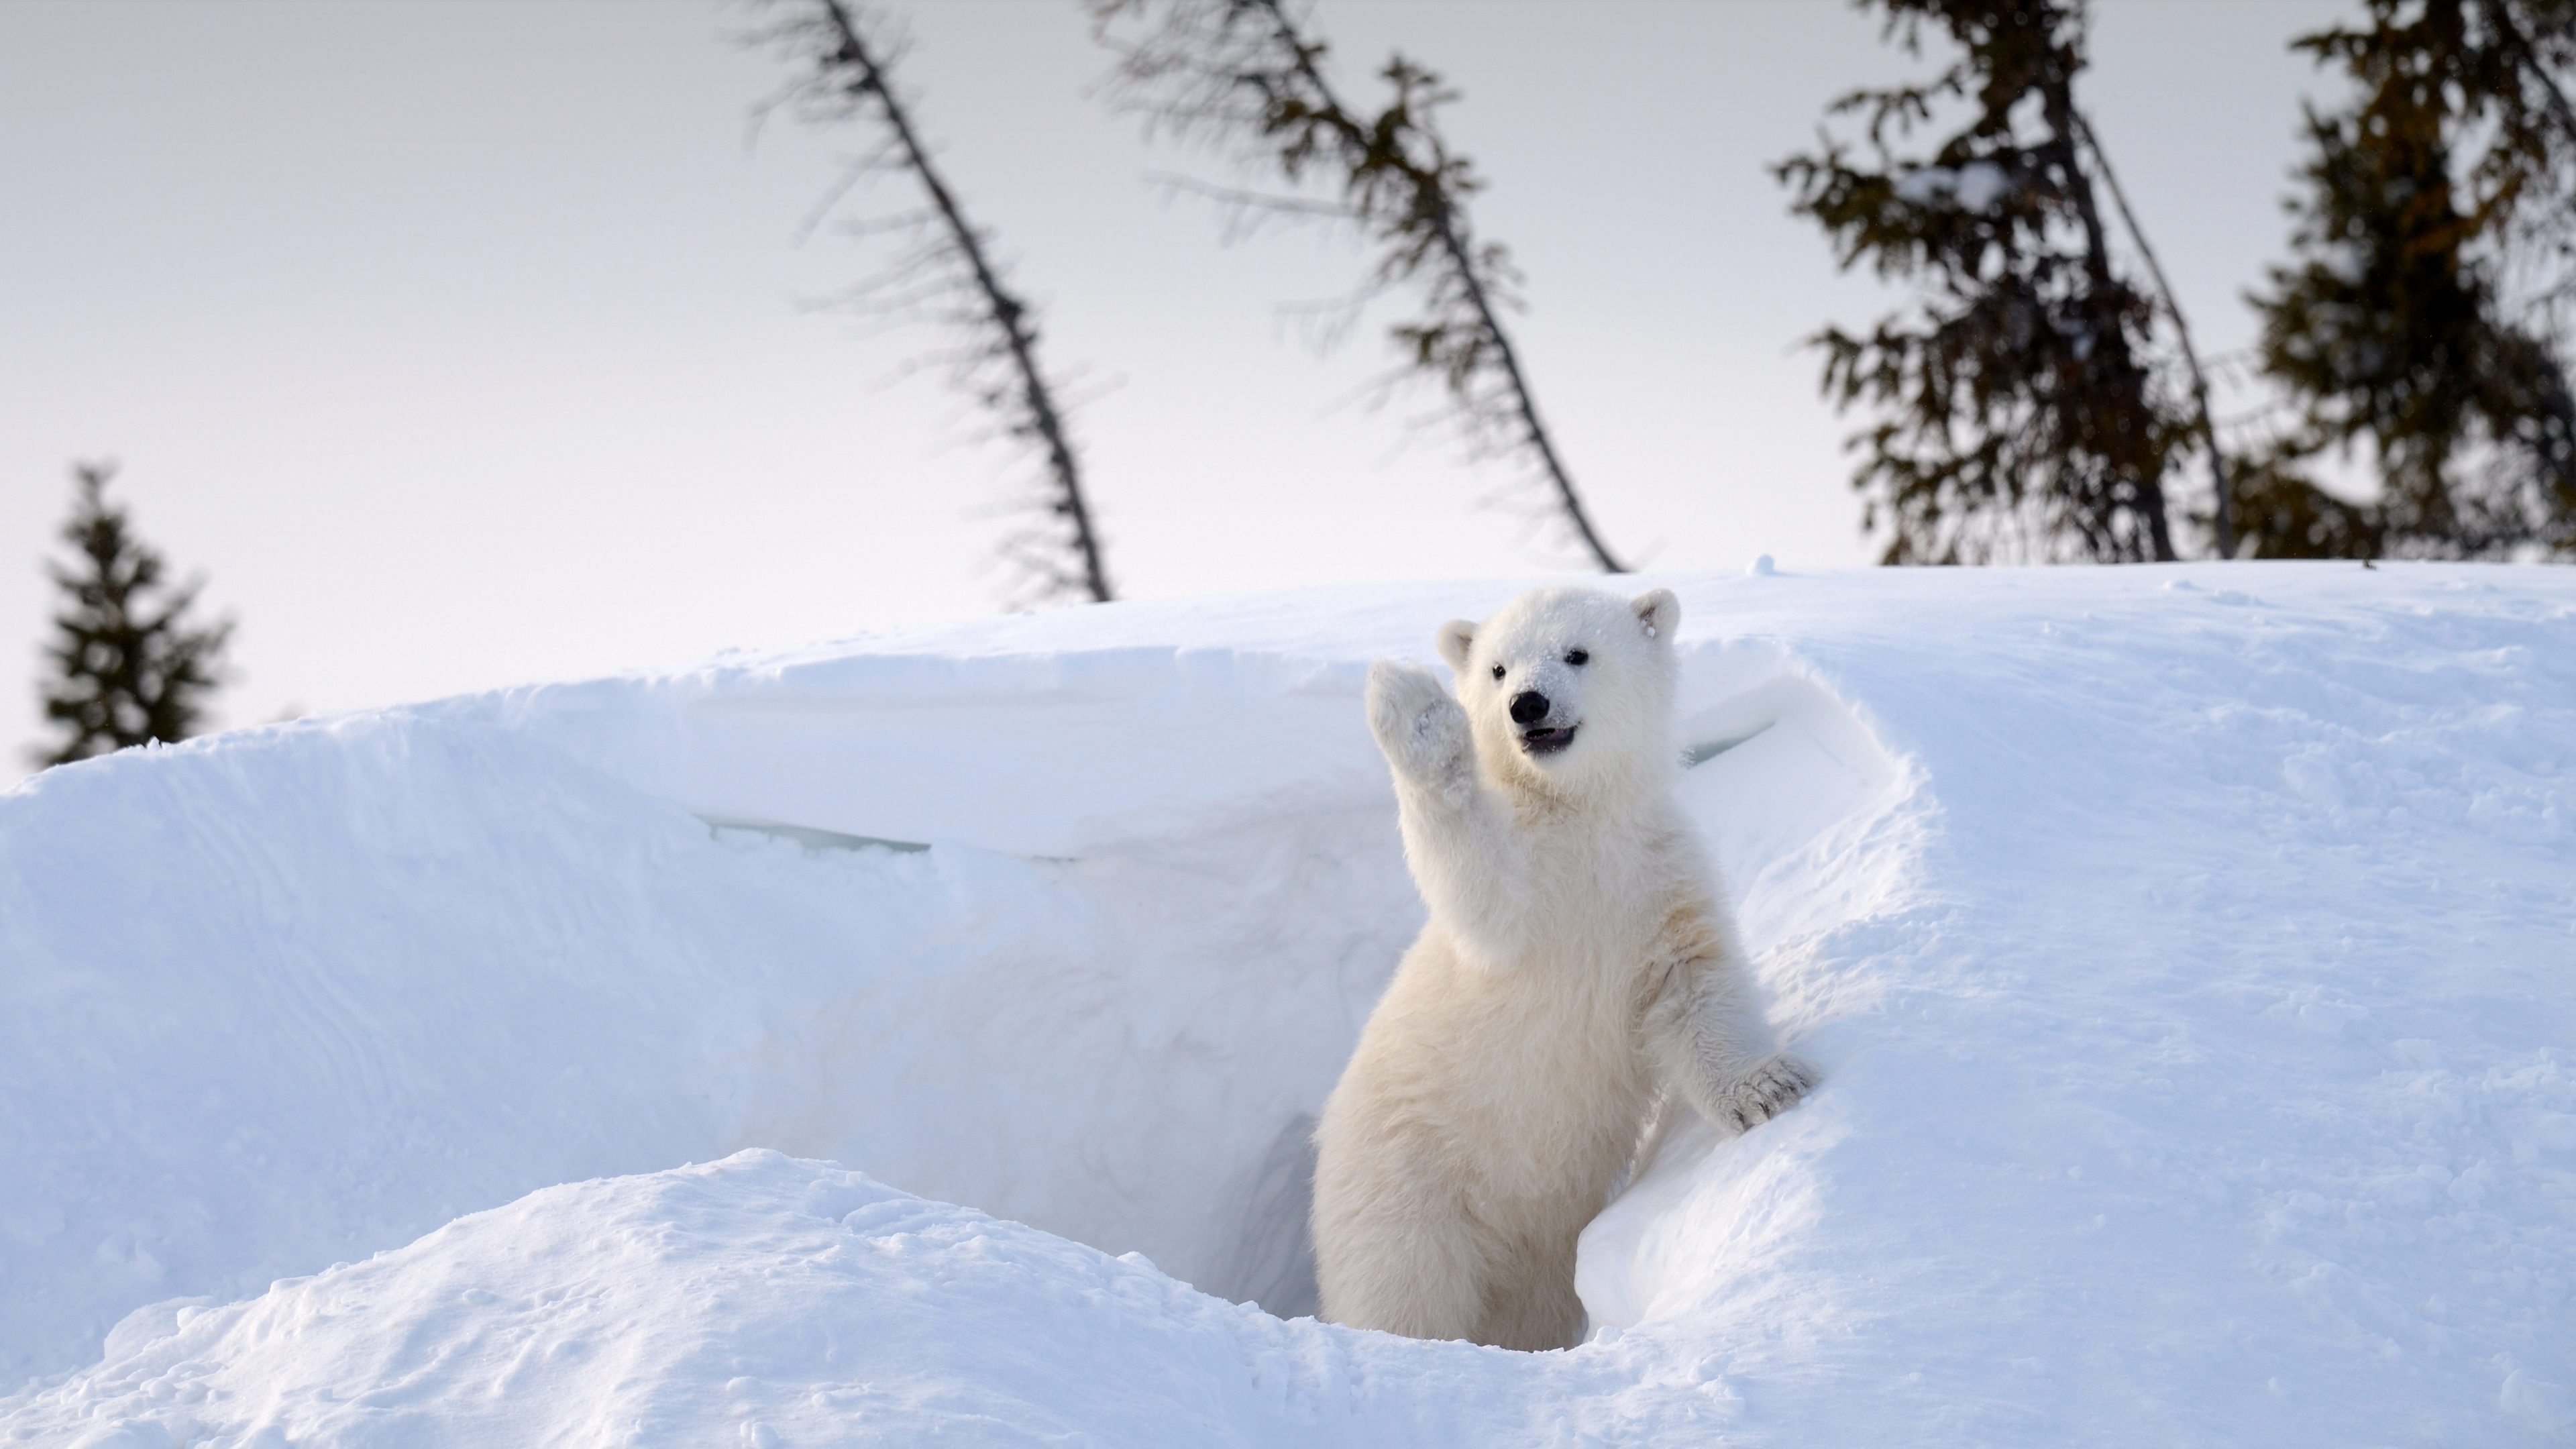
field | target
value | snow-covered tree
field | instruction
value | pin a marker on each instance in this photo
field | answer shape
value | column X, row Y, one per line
column 2022, row 412
column 127, row 665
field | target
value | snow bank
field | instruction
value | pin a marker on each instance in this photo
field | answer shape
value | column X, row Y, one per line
column 2189, row 948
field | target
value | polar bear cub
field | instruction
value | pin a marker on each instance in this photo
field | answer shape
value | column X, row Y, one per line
column 1578, row 972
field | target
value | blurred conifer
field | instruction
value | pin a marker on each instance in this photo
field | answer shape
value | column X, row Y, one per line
column 127, row 665
column 2425, row 319
column 2023, row 411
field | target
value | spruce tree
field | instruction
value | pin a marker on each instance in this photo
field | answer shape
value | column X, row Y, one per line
column 2437, row 225
column 1253, row 77
column 948, row 271
column 2023, row 411
column 128, row 666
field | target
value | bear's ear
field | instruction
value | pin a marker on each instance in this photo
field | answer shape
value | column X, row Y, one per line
column 1456, row 637
column 1659, row 612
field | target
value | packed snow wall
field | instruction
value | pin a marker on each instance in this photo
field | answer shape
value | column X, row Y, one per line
column 1079, row 936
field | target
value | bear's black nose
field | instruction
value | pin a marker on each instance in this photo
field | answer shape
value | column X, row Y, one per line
column 1528, row 707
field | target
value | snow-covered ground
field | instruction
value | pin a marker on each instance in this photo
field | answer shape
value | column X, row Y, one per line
column 2192, row 949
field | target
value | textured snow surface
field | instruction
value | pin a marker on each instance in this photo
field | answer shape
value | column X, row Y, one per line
column 2192, row 950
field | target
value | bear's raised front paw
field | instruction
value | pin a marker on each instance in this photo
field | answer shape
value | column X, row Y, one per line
column 1768, row 1090
column 1418, row 725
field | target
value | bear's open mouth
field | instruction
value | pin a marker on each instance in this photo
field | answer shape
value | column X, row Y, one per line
column 1548, row 742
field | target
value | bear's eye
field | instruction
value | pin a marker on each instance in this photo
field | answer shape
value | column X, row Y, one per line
column 1579, row 658
column 1498, row 671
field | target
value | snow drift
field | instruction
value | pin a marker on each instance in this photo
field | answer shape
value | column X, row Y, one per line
column 2189, row 948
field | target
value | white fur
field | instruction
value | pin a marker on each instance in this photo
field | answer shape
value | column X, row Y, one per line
column 1579, row 970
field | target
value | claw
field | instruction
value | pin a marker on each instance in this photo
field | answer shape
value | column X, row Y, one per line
column 1771, row 1089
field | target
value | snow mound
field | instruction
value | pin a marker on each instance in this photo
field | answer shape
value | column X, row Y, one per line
column 2187, row 947
column 758, row 1300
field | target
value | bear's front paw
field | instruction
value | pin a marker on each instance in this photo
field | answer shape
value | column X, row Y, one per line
column 1767, row 1091
column 1417, row 723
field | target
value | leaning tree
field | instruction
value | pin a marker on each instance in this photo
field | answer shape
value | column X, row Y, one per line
column 1252, row 78
column 945, row 271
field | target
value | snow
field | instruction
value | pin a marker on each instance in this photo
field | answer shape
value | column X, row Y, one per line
column 2188, row 948
column 1976, row 186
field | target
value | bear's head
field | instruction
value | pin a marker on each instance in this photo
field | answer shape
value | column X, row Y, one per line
column 1570, row 691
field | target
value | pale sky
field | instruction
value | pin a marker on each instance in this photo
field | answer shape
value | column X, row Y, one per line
column 462, row 344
